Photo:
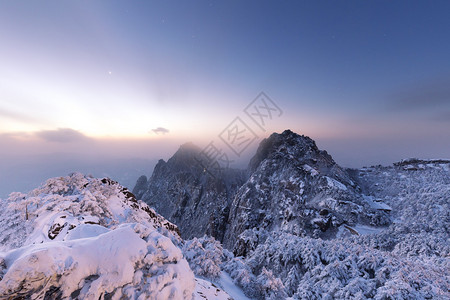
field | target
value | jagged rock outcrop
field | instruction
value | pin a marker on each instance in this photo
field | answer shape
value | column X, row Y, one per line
column 296, row 188
column 301, row 226
column 290, row 185
column 140, row 186
column 183, row 192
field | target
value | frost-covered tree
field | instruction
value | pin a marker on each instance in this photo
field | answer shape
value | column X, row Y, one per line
column 205, row 255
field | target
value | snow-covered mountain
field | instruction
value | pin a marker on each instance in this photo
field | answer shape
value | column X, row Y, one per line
column 409, row 259
column 294, row 225
column 78, row 237
column 301, row 226
column 296, row 188
column 290, row 185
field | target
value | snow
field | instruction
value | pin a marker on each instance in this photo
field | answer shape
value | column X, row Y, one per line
column 110, row 257
column 228, row 285
column 313, row 172
column 364, row 229
column 78, row 237
column 376, row 203
column 117, row 209
column 409, row 167
column 335, row 184
column 207, row 290
column 361, row 229
column 85, row 231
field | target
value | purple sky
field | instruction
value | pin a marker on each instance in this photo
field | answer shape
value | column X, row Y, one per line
column 369, row 81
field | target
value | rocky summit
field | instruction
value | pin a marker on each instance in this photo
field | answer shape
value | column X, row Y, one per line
column 302, row 227
column 296, row 188
column 289, row 185
column 181, row 190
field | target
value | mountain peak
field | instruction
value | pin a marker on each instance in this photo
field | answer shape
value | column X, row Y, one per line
column 185, row 157
column 187, row 150
column 189, row 146
column 286, row 143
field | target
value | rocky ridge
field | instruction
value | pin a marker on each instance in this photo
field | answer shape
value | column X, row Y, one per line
column 289, row 185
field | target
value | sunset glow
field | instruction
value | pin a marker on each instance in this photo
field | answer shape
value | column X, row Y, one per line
column 164, row 74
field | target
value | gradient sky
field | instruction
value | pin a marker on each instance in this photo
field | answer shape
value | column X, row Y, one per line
column 369, row 81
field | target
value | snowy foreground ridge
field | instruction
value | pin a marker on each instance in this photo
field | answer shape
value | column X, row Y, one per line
column 77, row 237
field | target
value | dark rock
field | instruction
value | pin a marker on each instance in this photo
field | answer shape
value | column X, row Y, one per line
column 297, row 188
column 140, row 187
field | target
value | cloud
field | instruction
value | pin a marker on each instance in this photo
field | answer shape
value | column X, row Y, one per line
column 61, row 135
column 160, row 130
column 429, row 95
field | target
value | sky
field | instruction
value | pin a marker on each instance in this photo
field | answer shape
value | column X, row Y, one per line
column 86, row 83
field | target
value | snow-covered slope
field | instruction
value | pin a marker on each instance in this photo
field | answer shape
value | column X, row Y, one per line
column 63, row 204
column 78, row 237
column 409, row 259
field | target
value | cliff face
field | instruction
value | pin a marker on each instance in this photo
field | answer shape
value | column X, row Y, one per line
column 290, row 185
column 296, row 188
column 183, row 192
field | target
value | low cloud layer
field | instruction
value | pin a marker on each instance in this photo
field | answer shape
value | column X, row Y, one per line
column 431, row 95
column 61, row 135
